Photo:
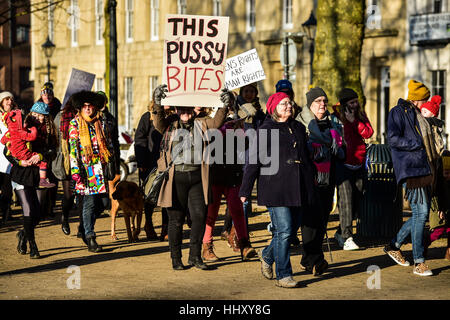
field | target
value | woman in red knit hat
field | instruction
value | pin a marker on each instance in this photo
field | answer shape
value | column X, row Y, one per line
column 286, row 190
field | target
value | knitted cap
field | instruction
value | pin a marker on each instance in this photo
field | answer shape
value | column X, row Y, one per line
column 433, row 105
column 283, row 84
column 346, row 95
column 417, row 91
column 47, row 88
column 274, row 100
column 40, row 107
column 313, row 94
column 5, row 94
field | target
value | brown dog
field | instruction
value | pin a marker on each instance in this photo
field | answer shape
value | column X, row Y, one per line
column 131, row 200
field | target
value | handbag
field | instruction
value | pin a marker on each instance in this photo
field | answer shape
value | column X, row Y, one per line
column 58, row 169
column 153, row 183
column 154, row 180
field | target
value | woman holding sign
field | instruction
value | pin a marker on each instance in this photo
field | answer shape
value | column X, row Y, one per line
column 187, row 187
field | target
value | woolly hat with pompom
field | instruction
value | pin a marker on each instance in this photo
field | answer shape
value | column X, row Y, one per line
column 433, row 105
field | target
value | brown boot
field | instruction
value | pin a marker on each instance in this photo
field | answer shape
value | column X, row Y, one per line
column 208, row 253
column 164, row 236
column 233, row 240
column 246, row 249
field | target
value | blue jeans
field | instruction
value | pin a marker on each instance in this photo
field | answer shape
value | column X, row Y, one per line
column 284, row 220
column 92, row 206
column 414, row 227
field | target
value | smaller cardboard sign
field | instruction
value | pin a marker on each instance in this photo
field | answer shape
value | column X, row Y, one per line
column 79, row 81
column 243, row 69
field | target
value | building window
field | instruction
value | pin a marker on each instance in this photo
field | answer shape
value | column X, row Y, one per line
column 182, row 6
column 129, row 20
column 438, row 88
column 51, row 27
column 128, row 103
column 153, row 83
column 22, row 34
column 251, row 15
column 287, row 14
column 373, row 14
column 74, row 21
column 155, row 20
column 99, row 22
column 217, row 7
column 437, row 6
column 99, row 84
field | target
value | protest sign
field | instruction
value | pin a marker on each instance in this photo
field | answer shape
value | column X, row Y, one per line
column 79, row 81
column 195, row 51
column 243, row 69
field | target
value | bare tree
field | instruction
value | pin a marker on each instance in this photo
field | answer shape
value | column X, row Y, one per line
column 24, row 7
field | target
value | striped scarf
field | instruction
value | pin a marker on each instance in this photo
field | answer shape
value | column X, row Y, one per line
column 85, row 138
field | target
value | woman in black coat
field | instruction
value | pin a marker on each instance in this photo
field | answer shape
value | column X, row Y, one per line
column 147, row 141
column 285, row 182
column 25, row 181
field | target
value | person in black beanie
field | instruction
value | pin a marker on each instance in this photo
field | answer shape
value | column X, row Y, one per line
column 325, row 143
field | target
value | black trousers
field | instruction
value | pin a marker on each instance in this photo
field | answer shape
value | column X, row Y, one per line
column 187, row 195
column 314, row 226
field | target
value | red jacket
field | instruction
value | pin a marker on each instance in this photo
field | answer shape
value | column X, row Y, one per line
column 17, row 137
column 354, row 135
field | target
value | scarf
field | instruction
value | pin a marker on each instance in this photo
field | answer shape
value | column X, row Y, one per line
column 419, row 188
column 85, row 138
column 326, row 142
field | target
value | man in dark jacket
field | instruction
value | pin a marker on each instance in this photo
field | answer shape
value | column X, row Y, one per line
column 410, row 157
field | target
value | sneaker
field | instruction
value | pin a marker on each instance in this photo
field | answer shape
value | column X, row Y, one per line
column 45, row 183
column 421, row 269
column 396, row 255
column 287, row 282
column 266, row 269
column 349, row 244
column 339, row 239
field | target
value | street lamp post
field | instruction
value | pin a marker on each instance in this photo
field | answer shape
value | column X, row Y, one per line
column 48, row 48
column 309, row 27
column 113, row 101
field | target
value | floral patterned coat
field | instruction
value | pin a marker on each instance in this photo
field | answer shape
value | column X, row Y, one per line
column 91, row 172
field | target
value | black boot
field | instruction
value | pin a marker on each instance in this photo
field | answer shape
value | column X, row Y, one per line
column 65, row 224
column 34, row 252
column 198, row 263
column 93, row 245
column 22, row 245
column 177, row 264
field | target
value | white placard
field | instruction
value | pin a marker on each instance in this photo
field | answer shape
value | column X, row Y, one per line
column 243, row 69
